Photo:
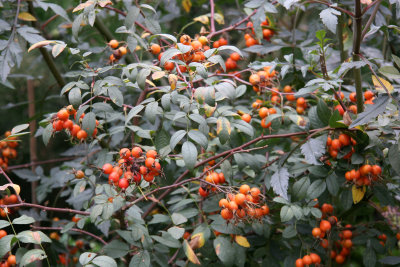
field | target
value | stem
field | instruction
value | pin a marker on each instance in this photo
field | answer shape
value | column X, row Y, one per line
column 339, row 32
column 356, row 51
column 47, row 258
column 371, row 19
column 24, row 204
column 47, row 58
column 331, row 6
column 212, row 16
column 72, row 229
column 12, row 227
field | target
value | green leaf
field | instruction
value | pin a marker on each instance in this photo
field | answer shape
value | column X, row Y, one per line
column 394, row 158
column 75, row 97
column 189, row 153
column 104, row 261
column 286, row 213
column 141, row 78
column 178, row 218
column 334, row 120
column 323, row 111
column 176, row 232
column 151, row 111
column 34, row 237
column 86, row 257
column 116, row 96
column 300, row 187
column 5, row 244
column 141, row 259
column 332, row 184
column 4, row 224
column 316, row 189
column 371, row 111
column 116, row 249
column 89, row 123
column 96, row 212
column 390, row 72
column 19, row 128
column 390, row 260
column 289, row 232
column 230, row 47
column 32, row 256
column 316, row 212
column 199, row 138
column 176, row 138
column 369, row 257
column 169, row 242
column 329, row 18
column 167, row 55
column 133, row 113
column 23, row 220
column 244, row 127
column 161, row 139
column 224, row 250
column 223, row 129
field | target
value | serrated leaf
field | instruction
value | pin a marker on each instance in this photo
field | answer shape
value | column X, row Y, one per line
column 151, row 111
column 133, row 112
column 390, row 72
column 312, row 150
column 176, row 138
column 280, row 182
column 328, row 17
column 141, row 259
column 116, row 249
column 300, row 188
column 286, row 213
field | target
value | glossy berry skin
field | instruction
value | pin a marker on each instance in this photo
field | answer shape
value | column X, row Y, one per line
column 123, row 183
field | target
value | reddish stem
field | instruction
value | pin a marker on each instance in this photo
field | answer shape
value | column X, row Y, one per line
column 72, row 229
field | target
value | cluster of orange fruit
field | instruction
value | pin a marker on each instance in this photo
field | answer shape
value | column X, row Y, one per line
column 62, row 121
column 7, row 148
column 62, row 258
column 213, row 177
column 195, row 54
column 312, row 258
column 365, row 175
column 250, row 37
column 11, row 259
column 342, row 248
column 231, row 62
column 8, row 200
column 368, row 95
column 118, row 52
column 383, row 238
column 334, row 145
column 131, row 166
column 243, row 205
column 264, row 78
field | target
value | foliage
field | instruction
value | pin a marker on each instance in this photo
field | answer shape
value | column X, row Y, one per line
column 197, row 125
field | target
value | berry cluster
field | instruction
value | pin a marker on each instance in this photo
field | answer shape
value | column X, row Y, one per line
column 8, row 200
column 365, row 175
column 243, row 205
column 342, row 248
column 231, row 62
column 213, row 177
column 118, row 52
column 7, row 149
column 264, row 78
column 250, row 37
column 131, row 166
column 368, row 95
column 307, row 260
column 334, row 145
column 62, row 121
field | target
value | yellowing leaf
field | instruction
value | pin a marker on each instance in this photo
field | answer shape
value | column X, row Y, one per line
column 83, row 5
column 145, row 34
column 150, row 82
column 158, row 75
column 219, row 18
column 26, row 16
column 197, row 240
column 190, row 253
column 104, row 3
column 242, row 241
column 203, row 19
column 40, row 44
column 172, row 79
column 209, row 110
column 187, row 5
column 378, row 85
column 358, row 193
column 16, row 187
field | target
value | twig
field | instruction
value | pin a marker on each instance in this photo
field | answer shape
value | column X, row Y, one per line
column 10, row 181
column 371, row 19
column 24, row 204
column 26, row 165
column 71, row 229
column 351, row 14
column 369, row 6
column 357, row 28
column 212, row 16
